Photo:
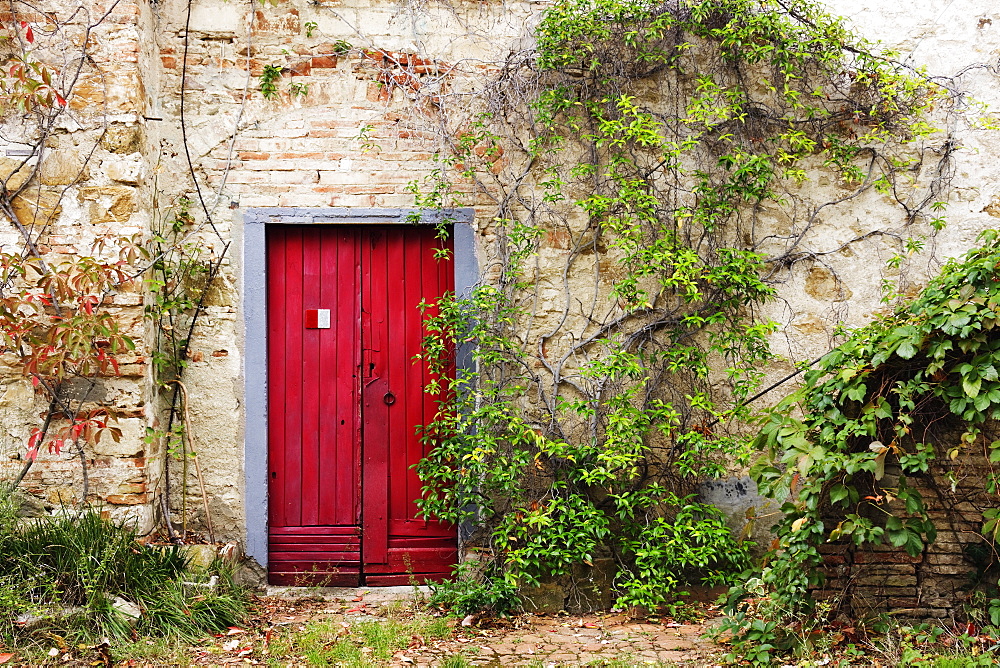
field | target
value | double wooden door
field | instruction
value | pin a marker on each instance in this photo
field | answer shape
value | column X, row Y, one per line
column 345, row 396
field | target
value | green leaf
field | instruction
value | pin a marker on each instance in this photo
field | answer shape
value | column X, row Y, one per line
column 914, row 546
column 971, row 386
column 898, row 538
column 906, row 350
column 838, row 493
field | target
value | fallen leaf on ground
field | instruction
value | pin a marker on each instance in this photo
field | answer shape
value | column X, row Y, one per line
column 4, row 658
column 233, row 630
column 231, row 645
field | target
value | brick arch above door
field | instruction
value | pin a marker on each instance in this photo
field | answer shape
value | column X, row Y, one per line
column 253, row 290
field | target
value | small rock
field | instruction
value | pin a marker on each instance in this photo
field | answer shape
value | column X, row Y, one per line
column 126, row 608
column 199, row 557
column 29, row 621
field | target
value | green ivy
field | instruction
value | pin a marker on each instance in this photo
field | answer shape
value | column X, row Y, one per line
column 861, row 430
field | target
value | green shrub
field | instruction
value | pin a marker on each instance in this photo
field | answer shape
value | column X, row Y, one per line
column 469, row 593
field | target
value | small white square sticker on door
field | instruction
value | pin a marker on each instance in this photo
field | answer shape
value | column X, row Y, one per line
column 318, row 318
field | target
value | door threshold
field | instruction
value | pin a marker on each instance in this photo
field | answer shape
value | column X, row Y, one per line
column 405, row 593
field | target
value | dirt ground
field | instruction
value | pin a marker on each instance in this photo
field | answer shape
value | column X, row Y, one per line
column 577, row 641
column 522, row 640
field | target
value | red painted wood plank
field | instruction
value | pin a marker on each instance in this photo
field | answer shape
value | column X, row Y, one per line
column 405, row 580
column 346, row 409
column 399, row 277
column 316, row 567
column 419, row 527
column 416, row 560
column 430, row 291
column 328, row 383
column 276, row 375
column 313, row 538
column 303, row 556
column 318, row 531
column 375, row 465
column 293, row 377
column 311, row 375
column 377, row 394
column 313, row 545
column 310, row 550
column 337, row 578
column 293, row 551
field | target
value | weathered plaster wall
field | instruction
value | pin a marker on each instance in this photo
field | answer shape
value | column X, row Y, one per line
column 954, row 40
column 364, row 64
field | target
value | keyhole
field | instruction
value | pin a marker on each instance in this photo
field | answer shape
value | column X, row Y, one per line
column 341, row 422
column 274, row 474
column 371, row 367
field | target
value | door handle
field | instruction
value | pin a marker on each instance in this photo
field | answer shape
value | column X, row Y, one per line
column 389, row 398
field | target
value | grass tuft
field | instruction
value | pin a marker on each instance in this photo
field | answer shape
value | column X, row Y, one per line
column 83, row 577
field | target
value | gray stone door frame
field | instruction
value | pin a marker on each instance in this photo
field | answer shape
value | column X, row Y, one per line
column 253, row 289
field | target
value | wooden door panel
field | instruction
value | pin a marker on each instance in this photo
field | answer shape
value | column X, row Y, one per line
column 313, row 407
column 314, row 556
column 403, row 272
column 416, row 560
column 344, row 403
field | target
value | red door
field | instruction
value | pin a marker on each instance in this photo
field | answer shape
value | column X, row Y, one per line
column 344, row 400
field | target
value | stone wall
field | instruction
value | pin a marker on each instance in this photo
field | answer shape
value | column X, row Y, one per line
column 87, row 179
column 371, row 75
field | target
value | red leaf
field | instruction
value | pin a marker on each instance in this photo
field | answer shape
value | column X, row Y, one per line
column 55, row 445
column 34, row 381
column 29, row 35
column 4, row 658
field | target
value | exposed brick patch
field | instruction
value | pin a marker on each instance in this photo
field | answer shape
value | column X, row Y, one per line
column 932, row 585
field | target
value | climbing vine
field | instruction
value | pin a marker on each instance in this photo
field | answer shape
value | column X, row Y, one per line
column 640, row 154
